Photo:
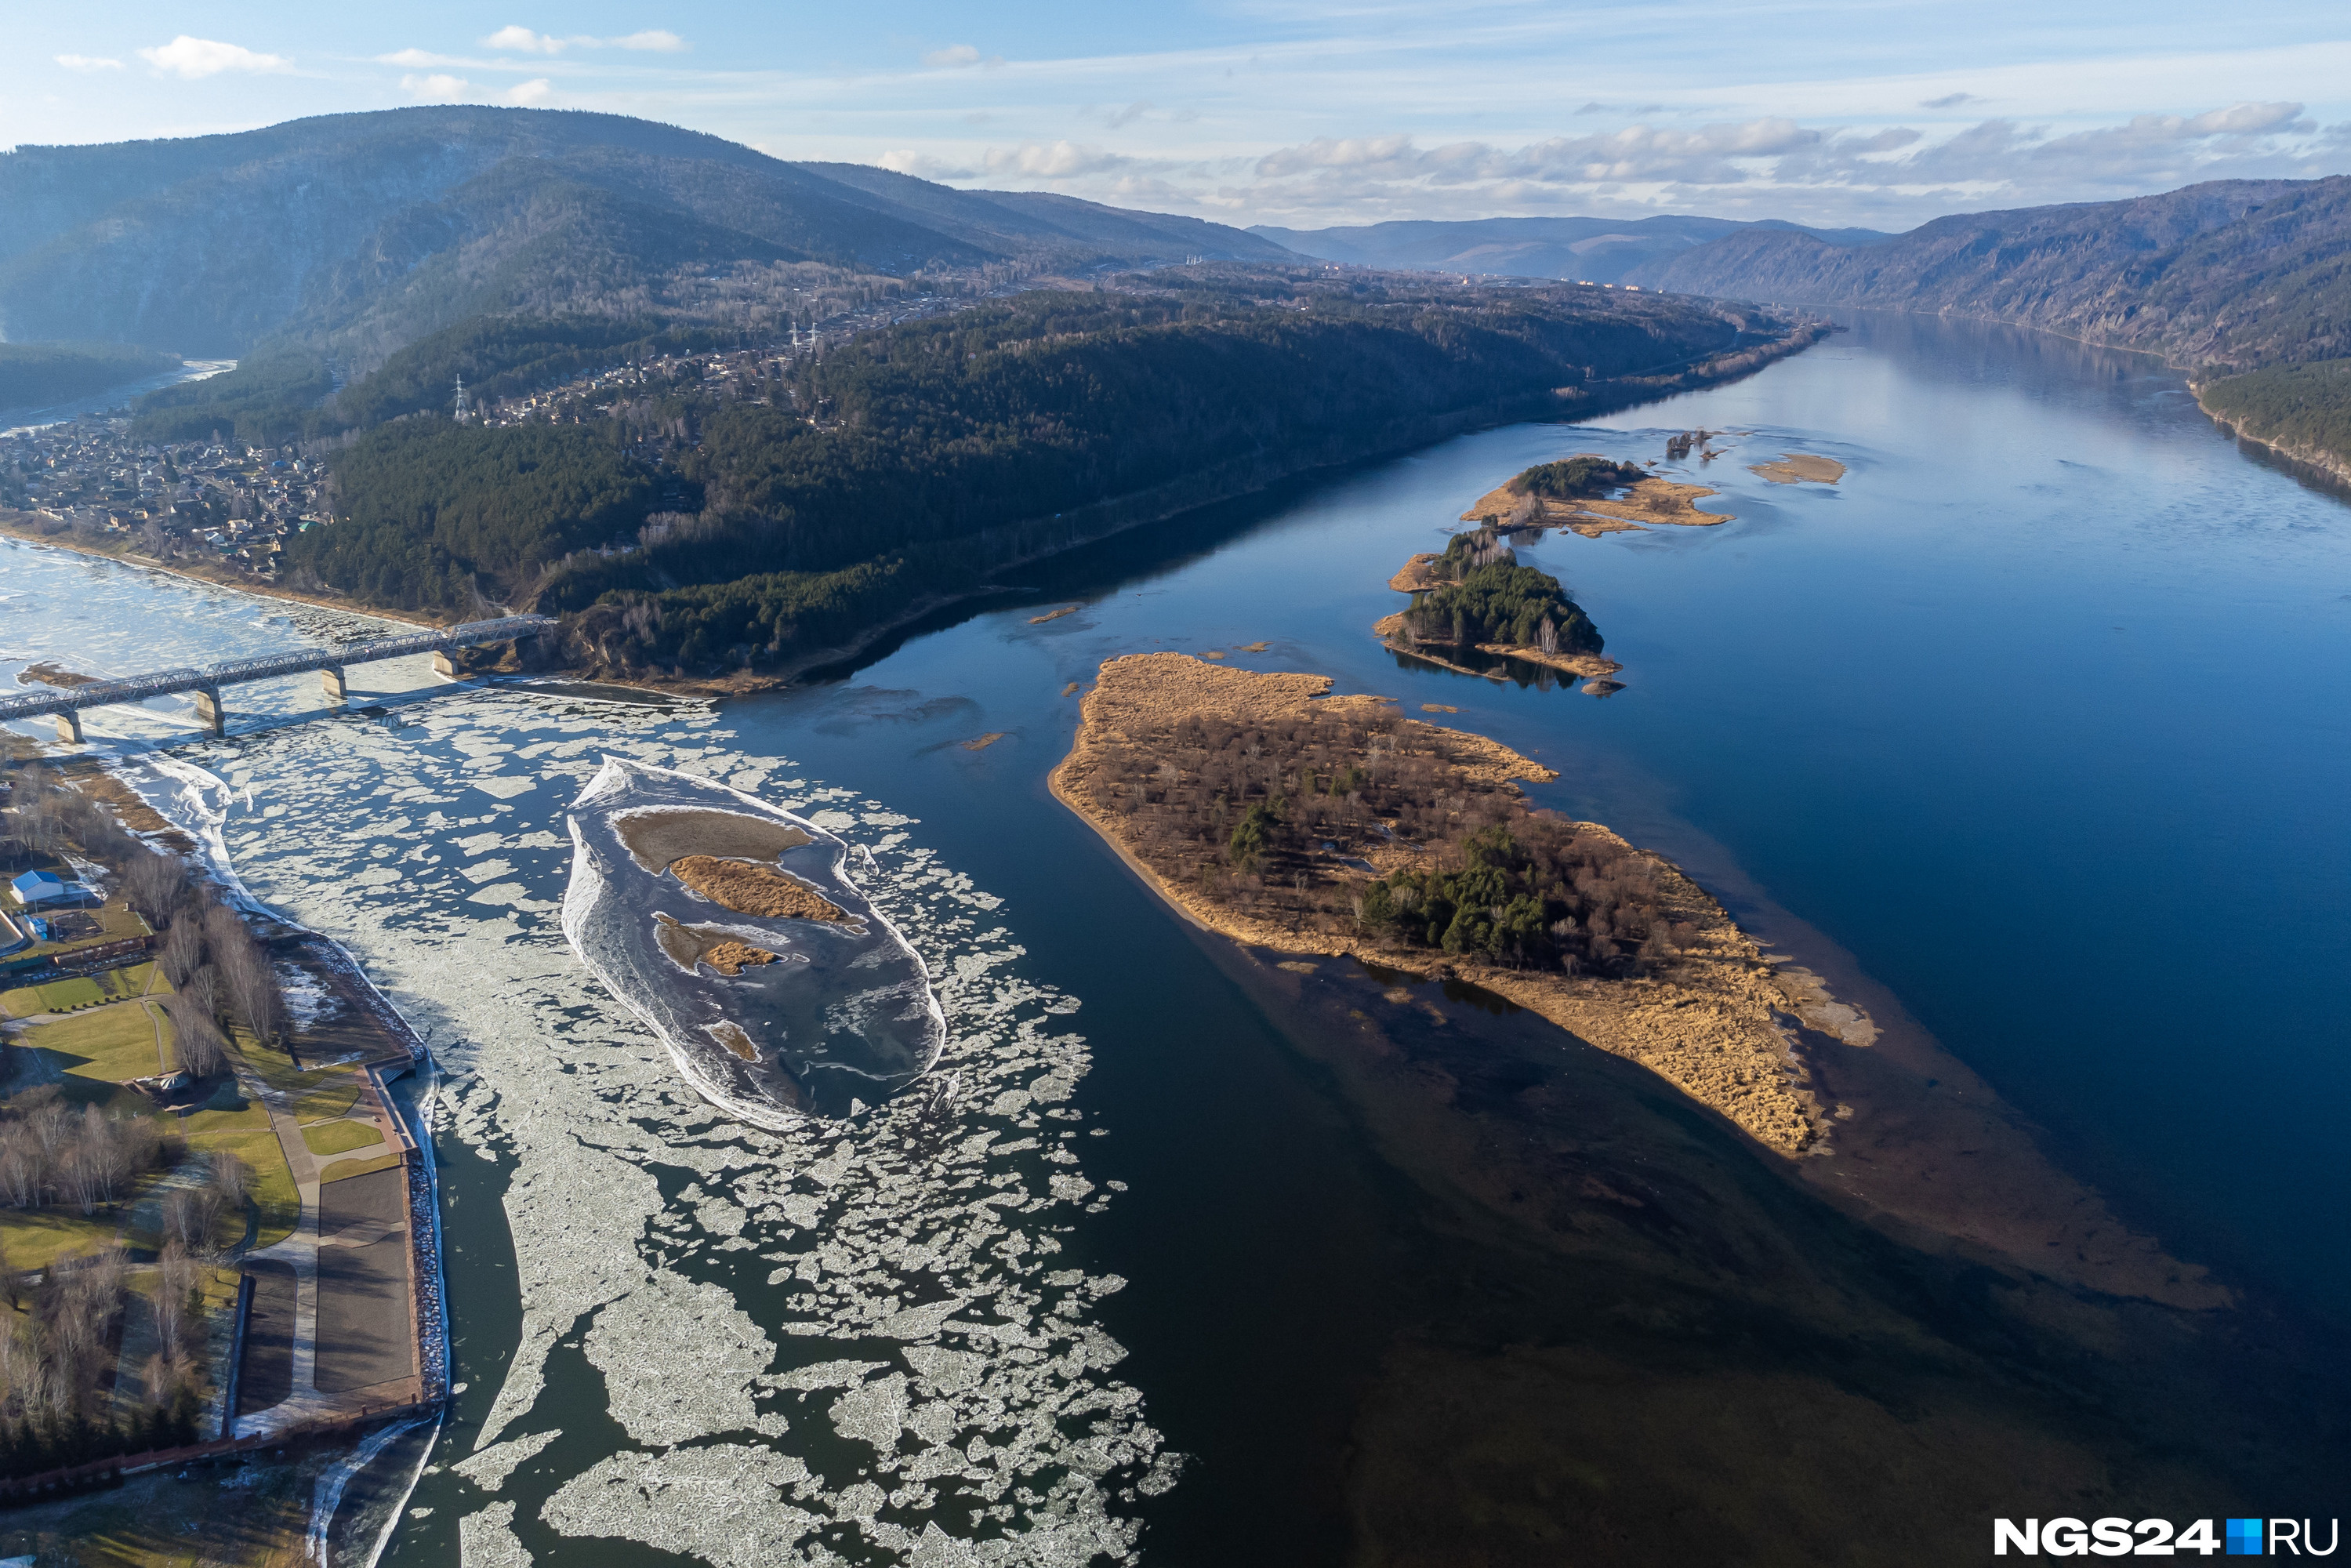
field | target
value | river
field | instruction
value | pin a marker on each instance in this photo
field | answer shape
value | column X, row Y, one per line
column 2029, row 731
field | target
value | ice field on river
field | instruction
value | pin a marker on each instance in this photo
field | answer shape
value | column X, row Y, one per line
column 839, row 1342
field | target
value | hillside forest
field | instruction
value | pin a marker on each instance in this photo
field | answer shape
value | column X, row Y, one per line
column 33, row 374
column 700, row 527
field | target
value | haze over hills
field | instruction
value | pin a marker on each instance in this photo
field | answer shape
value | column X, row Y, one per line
column 2233, row 274
column 1595, row 250
column 367, row 231
column 2250, row 276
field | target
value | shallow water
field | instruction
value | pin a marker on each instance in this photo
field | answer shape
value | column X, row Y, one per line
column 2032, row 720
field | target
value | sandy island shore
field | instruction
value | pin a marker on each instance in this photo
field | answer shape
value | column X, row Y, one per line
column 1710, row 1034
column 1650, row 501
column 1420, row 574
column 1764, row 1042
column 1800, row 469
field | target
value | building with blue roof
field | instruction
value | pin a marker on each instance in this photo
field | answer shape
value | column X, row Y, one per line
column 36, row 887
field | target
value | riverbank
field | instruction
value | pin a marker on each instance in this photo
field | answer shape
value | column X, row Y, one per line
column 14, row 525
column 1813, row 1061
column 1649, row 501
column 2329, row 465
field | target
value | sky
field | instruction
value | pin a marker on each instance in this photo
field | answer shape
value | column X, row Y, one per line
column 1301, row 113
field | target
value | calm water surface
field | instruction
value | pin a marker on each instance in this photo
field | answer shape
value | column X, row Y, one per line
column 2038, row 717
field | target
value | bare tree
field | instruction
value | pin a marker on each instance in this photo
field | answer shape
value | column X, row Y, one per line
column 156, row 885
column 183, row 950
column 230, row 1176
column 251, row 982
column 195, row 1033
column 190, row 1216
column 24, row 1168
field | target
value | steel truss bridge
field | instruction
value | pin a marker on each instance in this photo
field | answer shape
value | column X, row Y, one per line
column 67, row 702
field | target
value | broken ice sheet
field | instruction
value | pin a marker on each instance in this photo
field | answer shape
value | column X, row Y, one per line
column 1007, row 1402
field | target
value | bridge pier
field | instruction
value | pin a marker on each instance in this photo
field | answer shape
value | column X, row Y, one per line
column 70, row 728
column 331, row 677
column 444, row 665
column 209, row 710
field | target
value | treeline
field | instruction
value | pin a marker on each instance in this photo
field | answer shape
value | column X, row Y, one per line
column 1541, row 894
column 220, row 974
column 1576, row 478
column 35, row 373
column 1492, row 599
column 437, row 512
column 931, row 440
column 268, row 399
column 62, row 1343
column 2303, row 407
column 1260, row 815
column 51, row 1152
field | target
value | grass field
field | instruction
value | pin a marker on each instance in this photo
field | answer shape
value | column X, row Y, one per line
column 360, row 1167
column 55, row 996
column 336, row 1100
column 339, row 1137
column 106, row 1045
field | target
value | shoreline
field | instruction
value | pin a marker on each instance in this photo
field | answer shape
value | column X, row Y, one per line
column 2332, row 469
column 1737, row 1062
column 1886, row 1144
column 1109, row 518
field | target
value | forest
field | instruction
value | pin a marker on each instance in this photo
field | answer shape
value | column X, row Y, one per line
column 1492, row 599
column 1267, row 817
column 2289, row 406
column 272, row 395
column 1576, row 478
column 833, row 493
column 434, row 513
column 32, row 374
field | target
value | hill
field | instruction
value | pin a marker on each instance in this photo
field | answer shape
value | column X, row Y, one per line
column 361, row 233
column 32, row 374
column 2225, row 278
column 809, row 502
column 1596, row 250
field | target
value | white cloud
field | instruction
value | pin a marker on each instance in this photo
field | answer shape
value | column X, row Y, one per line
column 1052, row 161
column 1883, row 175
column 526, row 93
column 438, row 88
column 190, row 58
column 955, row 57
column 418, row 57
column 522, row 40
column 88, row 63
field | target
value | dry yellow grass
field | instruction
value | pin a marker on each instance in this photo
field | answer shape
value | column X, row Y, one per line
column 749, row 889
column 1709, row 1031
column 1800, row 469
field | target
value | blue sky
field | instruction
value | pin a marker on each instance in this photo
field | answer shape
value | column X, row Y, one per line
column 1303, row 112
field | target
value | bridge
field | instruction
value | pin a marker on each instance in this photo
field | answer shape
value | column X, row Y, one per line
column 67, row 702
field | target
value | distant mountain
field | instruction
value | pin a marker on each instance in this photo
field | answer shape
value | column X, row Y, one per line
column 1593, row 250
column 365, row 232
column 2225, row 275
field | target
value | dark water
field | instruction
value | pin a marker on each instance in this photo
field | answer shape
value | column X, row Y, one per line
column 2038, row 716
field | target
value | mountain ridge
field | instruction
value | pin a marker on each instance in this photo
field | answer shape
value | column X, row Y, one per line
column 1587, row 249
column 381, row 227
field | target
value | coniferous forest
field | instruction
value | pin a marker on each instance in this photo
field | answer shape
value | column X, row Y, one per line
column 700, row 527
